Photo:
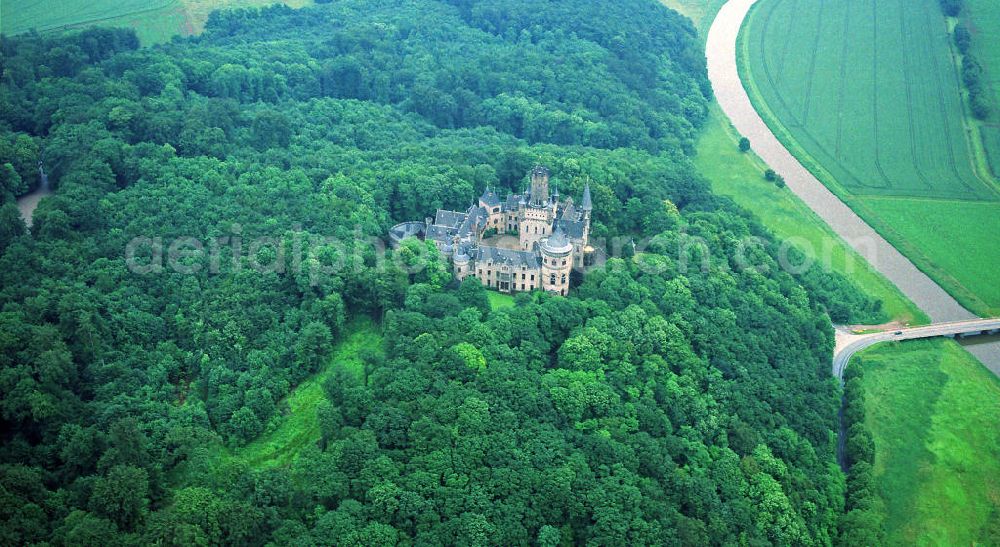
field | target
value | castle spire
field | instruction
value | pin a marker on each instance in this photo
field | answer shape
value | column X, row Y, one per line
column 586, row 203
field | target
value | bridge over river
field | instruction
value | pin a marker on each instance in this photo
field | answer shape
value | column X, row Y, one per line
column 848, row 343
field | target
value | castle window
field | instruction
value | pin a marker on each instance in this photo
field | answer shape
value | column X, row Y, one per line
column 522, row 277
column 552, row 279
column 564, row 279
column 522, row 286
column 536, row 229
column 532, row 277
column 564, row 262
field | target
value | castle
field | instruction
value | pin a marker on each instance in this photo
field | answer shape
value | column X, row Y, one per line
column 551, row 237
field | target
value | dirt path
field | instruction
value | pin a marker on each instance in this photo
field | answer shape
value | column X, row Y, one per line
column 720, row 50
column 29, row 202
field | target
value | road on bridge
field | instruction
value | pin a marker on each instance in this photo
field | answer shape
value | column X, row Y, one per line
column 848, row 344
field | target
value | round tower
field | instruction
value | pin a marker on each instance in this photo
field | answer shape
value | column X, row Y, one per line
column 557, row 261
column 463, row 266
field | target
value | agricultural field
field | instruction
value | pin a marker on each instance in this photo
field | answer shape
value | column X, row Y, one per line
column 155, row 21
column 869, row 90
column 933, row 411
column 866, row 94
column 956, row 237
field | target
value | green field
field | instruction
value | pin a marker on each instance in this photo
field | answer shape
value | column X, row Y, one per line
column 22, row 15
column 740, row 176
column 154, row 21
column 869, row 89
column 874, row 109
column 991, row 144
column 934, row 412
column 956, row 236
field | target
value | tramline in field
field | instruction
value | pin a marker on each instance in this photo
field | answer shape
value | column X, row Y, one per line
column 869, row 90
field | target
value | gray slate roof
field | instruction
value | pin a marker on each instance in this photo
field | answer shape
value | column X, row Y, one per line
column 440, row 233
column 451, row 219
column 572, row 228
column 515, row 258
column 490, row 198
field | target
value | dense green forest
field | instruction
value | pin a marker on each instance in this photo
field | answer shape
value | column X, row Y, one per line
column 654, row 405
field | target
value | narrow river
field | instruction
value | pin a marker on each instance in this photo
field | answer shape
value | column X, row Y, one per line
column 29, row 202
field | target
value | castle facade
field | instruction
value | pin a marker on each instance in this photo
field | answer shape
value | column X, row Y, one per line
column 525, row 242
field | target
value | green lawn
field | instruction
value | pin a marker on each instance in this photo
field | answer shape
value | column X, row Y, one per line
column 934, row 412
column 740, row 176
column 499, row 301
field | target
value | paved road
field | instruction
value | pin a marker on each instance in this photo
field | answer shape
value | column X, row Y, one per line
column 732, row 97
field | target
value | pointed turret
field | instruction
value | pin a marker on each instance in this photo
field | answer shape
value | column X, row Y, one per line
column 585, row 203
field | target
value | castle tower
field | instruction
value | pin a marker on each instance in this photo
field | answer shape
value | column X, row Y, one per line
column 535, row 219
column 539, row 186
column 557, row 261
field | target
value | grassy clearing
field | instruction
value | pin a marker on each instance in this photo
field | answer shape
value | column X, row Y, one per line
column 934, row 412
column 869, row 89
column 155, row 21
column 297, row 427
column 499, row 301
column 740, row 176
